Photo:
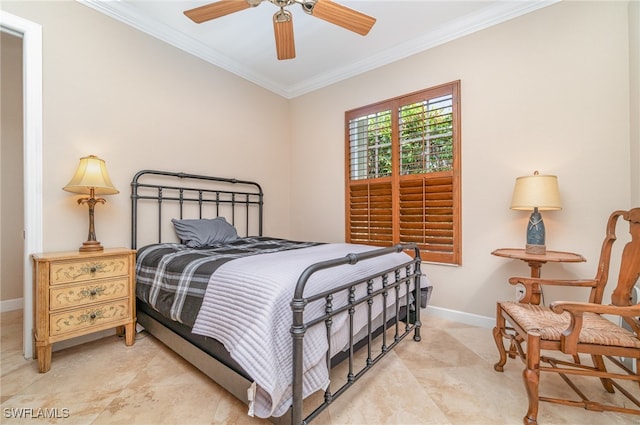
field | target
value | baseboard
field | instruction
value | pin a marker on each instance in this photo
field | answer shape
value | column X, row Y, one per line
column 461, row 316
column 11, row 305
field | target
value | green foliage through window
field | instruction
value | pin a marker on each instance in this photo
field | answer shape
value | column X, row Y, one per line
column 426, row 140
column 370, row 140
column 426, row 136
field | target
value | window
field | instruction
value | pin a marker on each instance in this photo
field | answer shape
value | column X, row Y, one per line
column 403, row 173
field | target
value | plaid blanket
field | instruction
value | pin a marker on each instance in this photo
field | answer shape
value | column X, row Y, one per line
column 173, row 278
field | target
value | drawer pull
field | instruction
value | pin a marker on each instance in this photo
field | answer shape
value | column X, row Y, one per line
column 92, row 292
column 91, row 316
column 94, row 268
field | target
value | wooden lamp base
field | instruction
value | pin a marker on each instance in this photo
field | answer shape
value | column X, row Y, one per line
column 91, row 246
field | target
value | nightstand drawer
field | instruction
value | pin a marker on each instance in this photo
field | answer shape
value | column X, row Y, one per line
column 97, row 268
column 88, row 317
column 90, row 292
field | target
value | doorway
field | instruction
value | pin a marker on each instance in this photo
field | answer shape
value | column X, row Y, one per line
column 11, row 172
column 31, row 34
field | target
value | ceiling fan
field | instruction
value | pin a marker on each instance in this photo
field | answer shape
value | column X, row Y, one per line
column 283, row 20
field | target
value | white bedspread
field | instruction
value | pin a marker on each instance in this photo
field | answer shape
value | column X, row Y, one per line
column 247, row 308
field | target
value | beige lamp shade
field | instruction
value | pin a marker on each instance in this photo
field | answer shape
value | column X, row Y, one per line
column 536, row 191
column 91, row 174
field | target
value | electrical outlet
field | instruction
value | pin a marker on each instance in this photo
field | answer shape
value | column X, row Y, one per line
column 520, row 291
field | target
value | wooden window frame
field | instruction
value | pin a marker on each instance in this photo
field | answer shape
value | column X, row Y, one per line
column 375, row 191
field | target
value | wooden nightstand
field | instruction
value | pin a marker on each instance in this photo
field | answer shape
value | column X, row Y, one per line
column 81, row 293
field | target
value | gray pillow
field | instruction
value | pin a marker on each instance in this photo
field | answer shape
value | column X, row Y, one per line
column 203, row 232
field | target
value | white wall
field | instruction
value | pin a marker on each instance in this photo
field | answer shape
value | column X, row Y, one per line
column 547, row 91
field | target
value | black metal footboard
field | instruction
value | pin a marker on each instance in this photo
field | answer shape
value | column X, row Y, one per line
column 407, row 274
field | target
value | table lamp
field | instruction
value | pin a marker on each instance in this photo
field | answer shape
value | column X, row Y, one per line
column 91, row 178
column 538, row 192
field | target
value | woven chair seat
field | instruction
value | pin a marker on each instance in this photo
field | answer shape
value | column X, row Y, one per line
column 595, row 328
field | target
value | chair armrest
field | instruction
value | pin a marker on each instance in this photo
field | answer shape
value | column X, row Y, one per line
column 569, row 337
column 575, row 308
column 532, row 286
column 526, row 281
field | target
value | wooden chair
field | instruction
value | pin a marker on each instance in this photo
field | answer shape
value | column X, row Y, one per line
column 576, row 328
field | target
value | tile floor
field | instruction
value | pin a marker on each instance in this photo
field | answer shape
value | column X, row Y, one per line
column 447, row 378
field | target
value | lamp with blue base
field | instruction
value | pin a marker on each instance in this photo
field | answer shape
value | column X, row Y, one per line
column 537, row 192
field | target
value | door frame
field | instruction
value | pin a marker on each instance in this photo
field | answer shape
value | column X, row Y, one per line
column 31, row 34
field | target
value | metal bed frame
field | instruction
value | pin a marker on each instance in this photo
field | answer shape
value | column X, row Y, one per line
column 245, row 198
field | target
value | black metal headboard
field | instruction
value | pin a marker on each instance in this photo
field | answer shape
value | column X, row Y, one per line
column 182, row 195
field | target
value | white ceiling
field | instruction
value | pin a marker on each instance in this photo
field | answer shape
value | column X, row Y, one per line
column 243, row 42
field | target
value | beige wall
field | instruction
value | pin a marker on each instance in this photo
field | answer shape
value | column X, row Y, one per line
column 139, row 103
column 548, row 91
column 11, row 193
column 634, row 101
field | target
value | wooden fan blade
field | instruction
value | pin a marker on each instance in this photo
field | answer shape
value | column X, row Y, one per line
column 283, row 30
column 215, row 10
column 343, row 16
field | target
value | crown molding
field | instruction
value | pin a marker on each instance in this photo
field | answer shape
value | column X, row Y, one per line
column 499, row 12
column 127, row 15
